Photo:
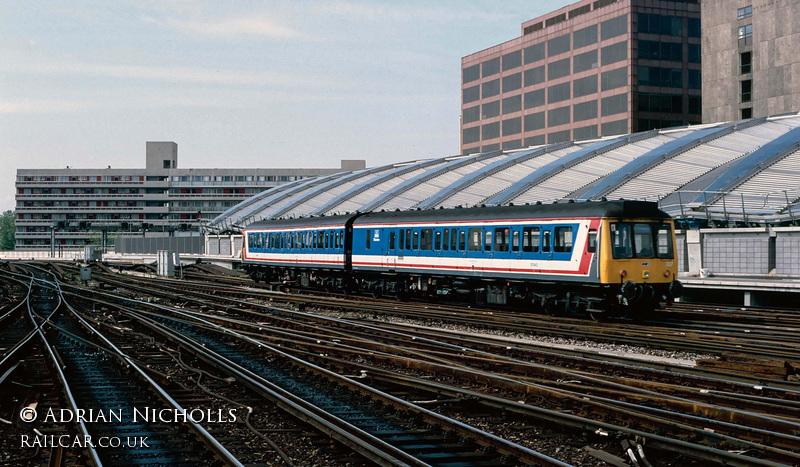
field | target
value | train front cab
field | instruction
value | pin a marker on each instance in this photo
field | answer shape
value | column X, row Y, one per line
column 638, row 264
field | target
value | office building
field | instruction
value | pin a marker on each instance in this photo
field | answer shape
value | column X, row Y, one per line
column 76, row 206
column 594, row 68
column 750, row 54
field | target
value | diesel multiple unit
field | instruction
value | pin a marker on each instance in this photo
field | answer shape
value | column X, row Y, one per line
column 599, row 257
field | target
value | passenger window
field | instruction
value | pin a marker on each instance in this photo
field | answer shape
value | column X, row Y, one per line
column 563, row 240
column 391, row 240
column 462, row 240
column 401, row 241
column 591, row 246
column 426, row 239
column 408, row 239
column 501, row 239
column 530, row 239
column 487, row 244
column 416, row 240
column 546, row 241
column 665, row 241
column 327, row 239
column 369, row 238
column 474, row 239
column 437, row 240
column 446, row 239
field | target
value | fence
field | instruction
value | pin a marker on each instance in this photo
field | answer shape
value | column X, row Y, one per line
column 755, row 251
column 151, row 245
column 38, row 254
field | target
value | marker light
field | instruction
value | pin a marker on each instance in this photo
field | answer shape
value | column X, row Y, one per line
column 667, row 273
column 623, row 273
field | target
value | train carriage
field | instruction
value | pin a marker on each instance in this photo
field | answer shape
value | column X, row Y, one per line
column 309, row 251
column 609, row 256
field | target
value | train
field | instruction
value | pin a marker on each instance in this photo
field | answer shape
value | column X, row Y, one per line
column 601, row 258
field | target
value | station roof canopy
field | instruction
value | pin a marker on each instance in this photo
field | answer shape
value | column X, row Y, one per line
column 746, row 171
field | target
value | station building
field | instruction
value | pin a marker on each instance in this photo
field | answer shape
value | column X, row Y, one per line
column 68, row 208
column 750, row 54
column 593, row 68
column 733, row 188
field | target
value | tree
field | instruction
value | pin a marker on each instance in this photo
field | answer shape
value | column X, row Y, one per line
column 7, row 227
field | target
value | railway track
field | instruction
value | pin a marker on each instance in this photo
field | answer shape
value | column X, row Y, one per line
column 769, row 341
column 623, row 398
column 381, row 427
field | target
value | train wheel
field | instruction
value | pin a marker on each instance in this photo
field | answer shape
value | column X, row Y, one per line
column 552, row 308
column 598, row 316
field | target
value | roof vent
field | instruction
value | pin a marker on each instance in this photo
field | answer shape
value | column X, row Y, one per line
column 538, row 203
column 571, row 201
column 510, row 204
column 603, row 199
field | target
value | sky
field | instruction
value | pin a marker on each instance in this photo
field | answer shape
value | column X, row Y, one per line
column 238, row 84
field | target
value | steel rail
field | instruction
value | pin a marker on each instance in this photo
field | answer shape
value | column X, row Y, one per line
column 498, row 443
column 202, row 433
column 289, row 311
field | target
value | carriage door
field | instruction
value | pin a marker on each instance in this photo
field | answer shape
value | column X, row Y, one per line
column 392, row 245
column 380, row 247
column 547, row 249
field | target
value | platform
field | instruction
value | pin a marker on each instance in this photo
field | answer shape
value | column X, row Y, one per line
column 742, row 290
